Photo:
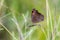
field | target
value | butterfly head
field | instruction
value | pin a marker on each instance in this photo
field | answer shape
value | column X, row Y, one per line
column 34, row 11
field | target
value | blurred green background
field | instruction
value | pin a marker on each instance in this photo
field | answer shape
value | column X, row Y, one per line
column 15, row 17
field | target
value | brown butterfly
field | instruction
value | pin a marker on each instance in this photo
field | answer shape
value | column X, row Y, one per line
column 36, row 16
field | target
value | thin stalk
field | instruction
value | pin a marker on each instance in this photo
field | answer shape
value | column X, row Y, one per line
column 47, row 12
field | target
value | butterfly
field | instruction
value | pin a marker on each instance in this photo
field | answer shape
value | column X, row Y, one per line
column 36, row 17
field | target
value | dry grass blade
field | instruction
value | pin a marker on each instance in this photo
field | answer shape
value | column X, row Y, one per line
column 18, row 28
column 8, row 31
